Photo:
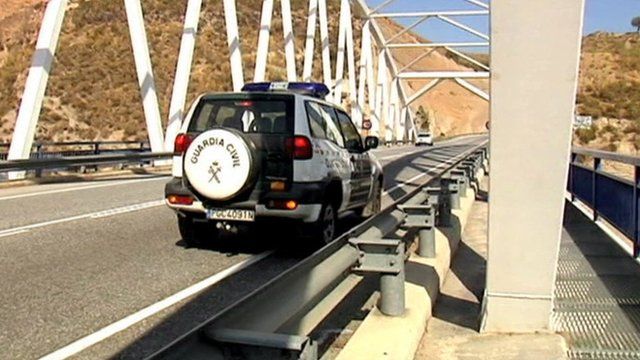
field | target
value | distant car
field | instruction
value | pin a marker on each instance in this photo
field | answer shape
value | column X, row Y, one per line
column 424, row 138
column 275, row 152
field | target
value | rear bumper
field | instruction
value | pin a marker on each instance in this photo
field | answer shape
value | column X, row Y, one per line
column 308, row 195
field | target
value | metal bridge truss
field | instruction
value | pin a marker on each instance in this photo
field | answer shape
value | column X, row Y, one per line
column 380, row 92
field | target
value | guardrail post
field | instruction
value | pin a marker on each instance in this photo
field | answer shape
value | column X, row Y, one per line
column 636, row 203
column 452, row 187
column 468, row 166
column 96, row 148
column 392, row 300
column 444, row 206
column 459, row 178
column 39, row 155
column 597, row 166
column 422, row 218
column 386, row 257
column 463, row 181
column 573, row 159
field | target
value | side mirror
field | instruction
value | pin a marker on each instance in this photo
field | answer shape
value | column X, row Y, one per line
column 371, row 142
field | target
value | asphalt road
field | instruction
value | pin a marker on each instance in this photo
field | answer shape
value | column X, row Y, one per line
column 102, row 262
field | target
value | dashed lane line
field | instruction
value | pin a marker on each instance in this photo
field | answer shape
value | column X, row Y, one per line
column 77, row 188
column 94, row 215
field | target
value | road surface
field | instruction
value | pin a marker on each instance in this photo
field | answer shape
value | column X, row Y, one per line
column 97, row 269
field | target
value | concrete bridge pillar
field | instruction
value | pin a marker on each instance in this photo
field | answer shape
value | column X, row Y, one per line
column 533, row 88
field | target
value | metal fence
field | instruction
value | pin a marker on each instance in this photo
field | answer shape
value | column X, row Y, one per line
column 79, row 155
column 274, row 321
column 41, row 150
column 611, row 197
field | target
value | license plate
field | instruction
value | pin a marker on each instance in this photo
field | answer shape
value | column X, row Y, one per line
column 231, row 214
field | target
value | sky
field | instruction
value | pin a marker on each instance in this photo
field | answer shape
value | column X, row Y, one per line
column 600, row 15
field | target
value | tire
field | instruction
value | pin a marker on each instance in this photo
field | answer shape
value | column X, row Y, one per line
column 323, row 231
column 375, row 203
column 194, row 234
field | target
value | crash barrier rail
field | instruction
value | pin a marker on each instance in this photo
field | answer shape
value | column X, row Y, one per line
column 611, row 197
column 80, row 161
column 42, row 150
column 274, row 321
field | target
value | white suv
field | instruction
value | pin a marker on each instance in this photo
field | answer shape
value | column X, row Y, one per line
column 424, row 138
column 274, row 151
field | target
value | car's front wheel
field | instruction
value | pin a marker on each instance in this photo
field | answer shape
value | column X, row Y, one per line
column 194, row 233
column 375, row 202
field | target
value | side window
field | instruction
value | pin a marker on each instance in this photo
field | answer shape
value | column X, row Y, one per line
column 316, row 121
column 352, row 138
column 323, row 123
column 333, row 127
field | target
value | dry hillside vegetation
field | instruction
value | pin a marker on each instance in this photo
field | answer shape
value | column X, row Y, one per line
column 610, row 76
column 608, row 91
column 93, row 92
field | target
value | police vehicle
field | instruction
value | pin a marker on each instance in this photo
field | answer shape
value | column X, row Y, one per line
column 273, row 152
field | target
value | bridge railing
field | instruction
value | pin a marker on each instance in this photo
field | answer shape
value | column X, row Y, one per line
column 42, row 150
column 612, row 197
column 79, row 155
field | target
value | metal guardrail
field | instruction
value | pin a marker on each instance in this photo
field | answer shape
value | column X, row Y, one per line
column 80, row 148
column 79, row 161
column 274, row 321
column 615, row 199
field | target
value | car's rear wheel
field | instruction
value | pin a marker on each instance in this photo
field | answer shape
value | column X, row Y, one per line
column 194, row 233
column 324, row 230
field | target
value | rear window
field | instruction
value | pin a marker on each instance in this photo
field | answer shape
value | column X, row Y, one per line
column 263, row 116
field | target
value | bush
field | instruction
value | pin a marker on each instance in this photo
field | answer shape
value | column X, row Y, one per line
column 586, row 135
column 607, row 129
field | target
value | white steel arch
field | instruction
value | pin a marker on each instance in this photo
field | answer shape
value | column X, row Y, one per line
column 400, row 76
column 44, row 56
column 388, row 103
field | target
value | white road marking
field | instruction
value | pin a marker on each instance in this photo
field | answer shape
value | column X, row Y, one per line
column 47, row 192
column 94, row 215
column 126, row 209
column 120, row 325
column 443, row 164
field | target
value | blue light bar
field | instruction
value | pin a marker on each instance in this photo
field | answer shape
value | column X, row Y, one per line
column 317, row 90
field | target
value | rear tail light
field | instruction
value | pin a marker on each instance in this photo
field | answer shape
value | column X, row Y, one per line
column 180, row 200
column 282, row 204
column 300, row 147
column 181, row 143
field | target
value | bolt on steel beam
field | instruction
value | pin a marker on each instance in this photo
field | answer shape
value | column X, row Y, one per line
column 422, row 218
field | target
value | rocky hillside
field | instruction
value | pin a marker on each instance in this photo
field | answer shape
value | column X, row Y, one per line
column 608, row 91
column 93, row 92
column 610, row 76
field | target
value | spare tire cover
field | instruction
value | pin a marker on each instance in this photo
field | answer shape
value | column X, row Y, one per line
column 218, row 164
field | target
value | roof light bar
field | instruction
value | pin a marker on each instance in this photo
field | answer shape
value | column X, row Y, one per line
column 318, row 90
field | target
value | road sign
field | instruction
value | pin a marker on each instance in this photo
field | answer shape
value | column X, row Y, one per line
column 366, row 124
